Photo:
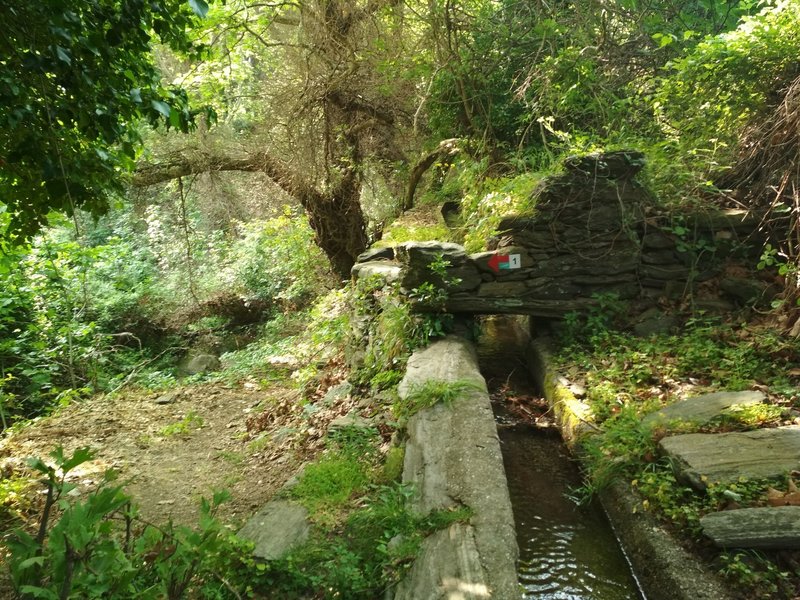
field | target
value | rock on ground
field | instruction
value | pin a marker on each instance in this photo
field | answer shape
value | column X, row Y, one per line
column 763, row 528
column 702, row 409
column 703, row 458
column 277, row 528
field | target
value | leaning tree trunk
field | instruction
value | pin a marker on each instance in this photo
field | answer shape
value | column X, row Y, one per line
column 335, row 216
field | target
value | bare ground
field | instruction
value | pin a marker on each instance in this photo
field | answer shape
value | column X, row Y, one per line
column 172, row 448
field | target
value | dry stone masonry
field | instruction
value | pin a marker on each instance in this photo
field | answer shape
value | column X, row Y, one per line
column 592, row 233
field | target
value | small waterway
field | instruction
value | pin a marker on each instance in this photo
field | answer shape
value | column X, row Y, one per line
column 567, row 551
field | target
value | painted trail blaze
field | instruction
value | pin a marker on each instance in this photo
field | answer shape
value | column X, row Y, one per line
column 500, row 262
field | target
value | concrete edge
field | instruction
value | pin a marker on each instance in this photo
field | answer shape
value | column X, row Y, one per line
column 453, row 458
column 573, row 417
column 663, row 568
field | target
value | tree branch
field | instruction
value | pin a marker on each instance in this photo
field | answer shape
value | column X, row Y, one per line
column 447, row 147
column 182, row 165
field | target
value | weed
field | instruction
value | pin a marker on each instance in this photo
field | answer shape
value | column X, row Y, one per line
column 386, row 379
column 329, row 483
column 97, row 548
column 746, row 417
column 353, row 440
column 14, row 499
column 367, row 553
column 428, row 394
column 594, row 326
column 397, row 233
column 259, row 444
column 756, row 573
column 191, row 422
column 623, row 444
column 234, row 458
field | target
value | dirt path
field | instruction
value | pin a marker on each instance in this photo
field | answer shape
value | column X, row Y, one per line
column 172, row 448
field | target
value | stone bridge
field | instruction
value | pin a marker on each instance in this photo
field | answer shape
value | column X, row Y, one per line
column 594, row 232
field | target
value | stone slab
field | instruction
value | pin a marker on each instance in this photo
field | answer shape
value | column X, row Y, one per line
column 278, row 527
column 702, row 409
column 703, row 458
column 389, row 272
column 763, row 528
column 448, row 566
column 453, row 459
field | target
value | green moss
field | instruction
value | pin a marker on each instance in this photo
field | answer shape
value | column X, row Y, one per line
column 393, row 464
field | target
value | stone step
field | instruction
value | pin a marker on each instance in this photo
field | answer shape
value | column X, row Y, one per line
column 703, row 458
column 765, row 528
column 702, row 409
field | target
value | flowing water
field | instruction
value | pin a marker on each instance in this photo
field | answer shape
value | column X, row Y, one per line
column 567, row 551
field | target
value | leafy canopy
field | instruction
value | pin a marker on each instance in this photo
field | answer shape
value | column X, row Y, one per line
column 75, row 78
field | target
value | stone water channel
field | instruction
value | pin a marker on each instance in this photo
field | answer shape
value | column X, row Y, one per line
column 567, row 551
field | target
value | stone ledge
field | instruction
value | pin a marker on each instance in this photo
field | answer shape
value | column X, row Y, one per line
column 453, row 458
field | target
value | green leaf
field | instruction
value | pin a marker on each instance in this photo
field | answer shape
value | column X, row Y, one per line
column 38, row 592
column 63, row 55
column 161, row 107
column 30, row 562
column 175, row 119
column 80, row 456
column 136, row 95
column 200, row 8
column 39, row 465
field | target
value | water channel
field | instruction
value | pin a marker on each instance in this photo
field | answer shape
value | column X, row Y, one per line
column 567, row 551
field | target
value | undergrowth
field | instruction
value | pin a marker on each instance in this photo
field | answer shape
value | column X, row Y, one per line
column 627, row 377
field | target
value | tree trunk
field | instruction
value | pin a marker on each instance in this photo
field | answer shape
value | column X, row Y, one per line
column 338, row 224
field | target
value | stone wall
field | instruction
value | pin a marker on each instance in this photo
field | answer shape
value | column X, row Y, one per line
column 594, row 232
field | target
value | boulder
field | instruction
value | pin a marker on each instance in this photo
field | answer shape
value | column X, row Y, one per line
column 203, row 363
column 351, row 419
column 277, row 528
column 337, row 393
